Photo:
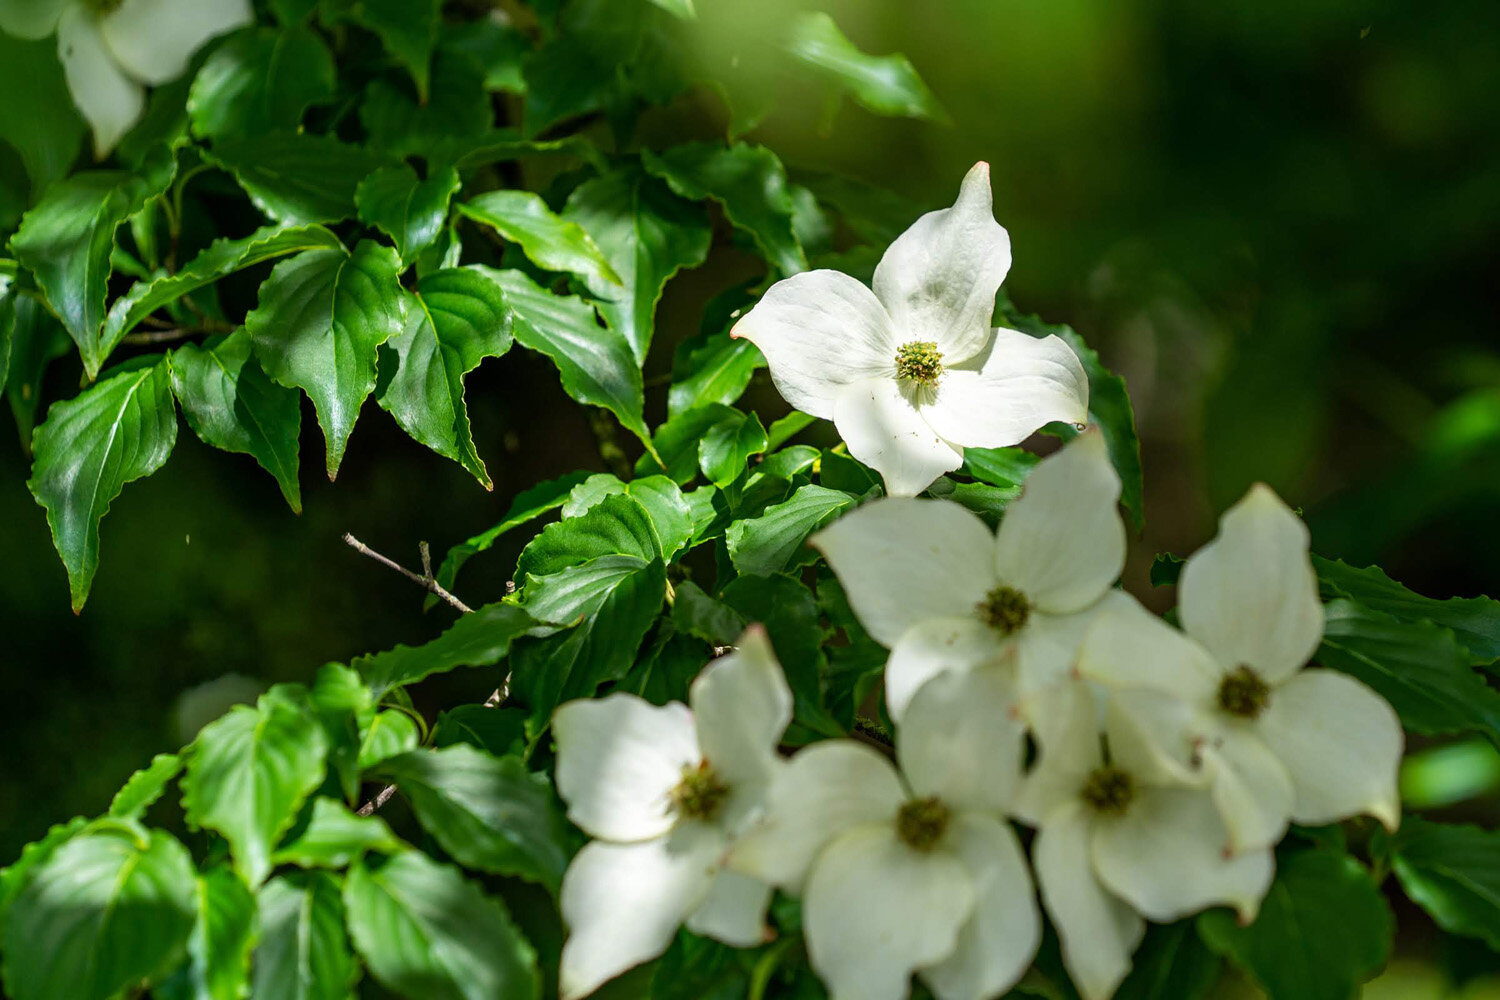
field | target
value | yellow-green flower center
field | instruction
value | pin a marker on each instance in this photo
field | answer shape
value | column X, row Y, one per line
column 700, row 794
column 921, row 823
column 1242, row 692
column 1109, row 790
column 1004, row 609
column 920, row 362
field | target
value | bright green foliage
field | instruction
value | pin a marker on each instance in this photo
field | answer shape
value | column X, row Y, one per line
column 391, row 732
column 475, row 640
column 304, row 951
column 713, row 370
column 546, row 238
column 343, row 706
column 1452, row 872
column 296, row 177
column 667, row 509
column 218, row 965
column 409, row 210
column 774, row 540
column 260, row 81
column 333, row 837
column 145, row 786
column 727, row 447
column 887, row 85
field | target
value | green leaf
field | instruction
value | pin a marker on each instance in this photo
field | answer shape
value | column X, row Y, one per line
column 493, row 146
column 341, row 702
column 478, row 639
column 647, row 234
column 13, row 877
column 320, row 319
column 1452, row 872
column 1475, row 621
column 391, row 732
column 583, row 66
column 1172, row 963
column 304, row 950
column 771, row 542
column 501, row 731
column 617, row 524
column 712, row 370
column 548, row 240
column 1323, row 929
column 103, row 912
column 43, row 127
column 334, row 836
column 595, row 362
column 425, row 931
column 999, row 466
column 726, row 448
column 1166, row 569
column 498, row 48
column 886, row 85
column 749, row 182
column 36, row 340
column 489, row 813
column 676, row 442
column 699, row 615
column 219, row 948
column 789, row 613
column 249, row 773
column 119, row 430
column 231, row 404
column 671, row 518
column 259, row 81
column 454, row 320
column 1419, row 668
column 408, row 210
column 297, row 177
column 457, row 113
column 407, row 28
column 145, row 786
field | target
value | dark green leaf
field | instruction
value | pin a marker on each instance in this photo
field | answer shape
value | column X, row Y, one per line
column 886, row 85
column 304, row 950
column 697, row 614
column 789, row 613
column 501, row 731
column 1452, row 872
column 145, row 786
column 407, row 28
column 43, row 127
column 583, row 66
column 496, row 47
column 478, row 639
column 1172, row 963
column 875, row 215
column 456, row 114
column 839, row 471
column 503, row 145
column 219, row 948
column 408, row 210
column 549, row 240
column 697, row 968
column 37, row 339
column 726, row 448
column 297, row 177
column 334, row 836
column 1475, row 621
column 261, row 80
column 676, row 442
column 774, row 540
column 1166, row 569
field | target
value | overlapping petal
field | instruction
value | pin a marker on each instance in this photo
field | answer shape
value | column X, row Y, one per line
column 932, row 647
column 742, row 705
column 1128, row 647
column 30, row 19
column 963, row 741
column 153, row 40
column 108, row 99
column 734, row 911
column 1023, row 384
column 880, row 421
column 1251, row 788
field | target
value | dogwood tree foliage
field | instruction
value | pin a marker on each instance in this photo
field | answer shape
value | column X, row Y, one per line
column 770, row 719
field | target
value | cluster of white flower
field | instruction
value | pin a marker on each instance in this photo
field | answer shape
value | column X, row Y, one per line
column 1158, row 766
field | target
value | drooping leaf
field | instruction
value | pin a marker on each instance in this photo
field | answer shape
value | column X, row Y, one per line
column 407, row 28
column 304, row 950
column 478, row 639
column 297, row 178
column 548, row 240
column 320, row 319
column 145, row 786
column 771, row 542
column 1475, row 621
column 260, row 80
column 334, row 836
column 886, row 85
column 408, row 210
column 119, row 430
column 43, row 127
column 218, row 965
column 1452, row 872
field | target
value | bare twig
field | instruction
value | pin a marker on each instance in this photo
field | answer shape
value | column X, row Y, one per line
column 170, row 334
column 427, row 582
column 381, row 798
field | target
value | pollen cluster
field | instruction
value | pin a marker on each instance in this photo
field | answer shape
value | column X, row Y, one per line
column 1004, row 609
column 700, row 794
column 920, row 362
column 1109, row 790
column 1244, row 693
column 921, row 823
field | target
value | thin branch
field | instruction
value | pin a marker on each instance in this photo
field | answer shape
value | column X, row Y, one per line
column 427, row 582
column 381, row 798
column 170, row 334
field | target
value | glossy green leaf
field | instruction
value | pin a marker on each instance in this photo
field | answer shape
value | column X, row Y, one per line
column 105, row 911
column 145, row 786
column 426, row 931
column 230, row 403
column 304, row 950
column 342, row 702
column 409, row 210
column 671, row 518
column 699, row 615
column 1452, row 872
column 789, row 613
column 727, row 447
column 548, row 240
column 477, row 639
column 676, row 442
column 999, row 466
column 407, row 28
column 218, row 965
column 320, row 319
column 774, row 540
column 886, row 85
column 43, row 128
column 119, row 430
column 334, row 836
column 455, row 319
column 391, row 732
column 259, row 81
column 13, row 876
column 1475, row 621
column 713, row 370
column 1172, row 963
column 488, row 812
column 617, row 524
column 456, row 114
column 297, row 177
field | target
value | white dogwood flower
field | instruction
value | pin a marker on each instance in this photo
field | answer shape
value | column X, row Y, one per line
column 929, row 580
column 1121, row 835
column 1281, row 743
column 664, row 790
column 909, row 871
column 911, row 373
column 111, row 50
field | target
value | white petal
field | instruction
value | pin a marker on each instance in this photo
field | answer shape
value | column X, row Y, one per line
column 931, row 647
column 1166, row 857
column 618, row 758
column 1098, row 931
column 1062, row 543
column 878, row 420
column 30, row 19
column 1250, row 595
column 962, row 739
column 623, row 903
column 1128, row 647
column 1047, row 648
column 734, row 911
column 1025, row 383
column 938, row 280
column 1251, row 789
column 826, row 790
column 1000, row 938
column 107, row 98
column 1342, row 744
column 1065, row 721
column 876, row 911
column 820, row 331
column 1156, row 736
column 153, row 40
column 904, row 561
column 742, row 706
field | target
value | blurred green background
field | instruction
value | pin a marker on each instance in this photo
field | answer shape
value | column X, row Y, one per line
column 1279, row 220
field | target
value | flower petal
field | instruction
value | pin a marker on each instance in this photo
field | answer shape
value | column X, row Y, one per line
column 618, row 759
column 1128, row 647
column 30, row 19
column 623, row 903
column 938, row 280
column 876, row 911
column 1250, row 595
column 904, row 561
column 962, row 739
column 107, row 98
column 1166, row 857
column 1064, row 719
column 1251, row 789
column 1047, row 648
column 931, row 647
column 1025, row 383
column 1062, row 543
column 878, row 420
column 1342, row 744
column 153, row 40
column 1000, row 938
column 734, row 911
column 826, row 790
column 1098, row 931
column 820, row 331
column 1156, row 737
column 742, row 706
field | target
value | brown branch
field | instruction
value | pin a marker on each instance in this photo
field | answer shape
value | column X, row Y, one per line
column 381, row 798
column 427, row 581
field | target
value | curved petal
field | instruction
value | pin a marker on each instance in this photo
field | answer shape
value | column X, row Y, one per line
column 1250, row 787
column 623, row 903
column 1062, row 542
column 618, row 759
column 904, row 561
column 826, row 790
column 1166, row 858
column 876, row 911
column 1047, row 649
column 1342, row 744
column 30, row 19
column 153, row 40
column 1000, row 938
column 1065, row 721
column 962, row 740
column 938, row 280
column 1025, row 383
column 1156, row 737
column 742, row 706
column 820, row 331
column 734, row 911
column 1128, row 647
column 1250, row 595
column 1098, row 931
column 879, row 421
column 109, row 100
column 932, row 647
